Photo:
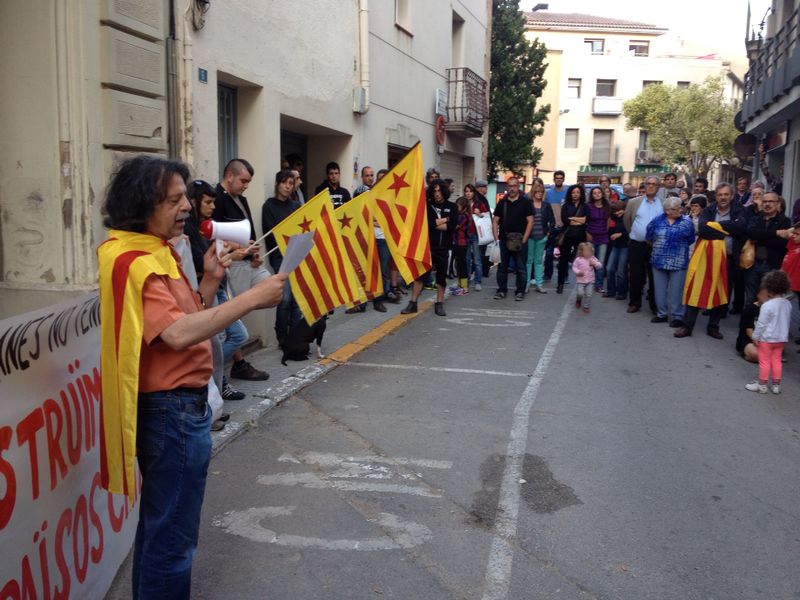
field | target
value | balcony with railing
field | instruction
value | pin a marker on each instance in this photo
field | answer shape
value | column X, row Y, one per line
column 774, row 68
column 604, row 155
column 646, row 157
column 607, row 105
column 467, row 106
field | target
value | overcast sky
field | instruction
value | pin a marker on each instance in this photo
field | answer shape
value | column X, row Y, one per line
column 717, row 24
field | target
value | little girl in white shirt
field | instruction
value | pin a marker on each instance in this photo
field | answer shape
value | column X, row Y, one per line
column 772, row 332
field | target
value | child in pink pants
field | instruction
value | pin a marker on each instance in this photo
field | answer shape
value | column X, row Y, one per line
column 771, row 332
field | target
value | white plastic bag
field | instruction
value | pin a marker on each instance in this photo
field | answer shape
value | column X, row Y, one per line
column 483, row 223
column 493, row 251
column 214, row 400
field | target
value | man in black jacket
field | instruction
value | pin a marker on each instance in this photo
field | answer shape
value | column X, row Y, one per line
column 442, row 219
column 513, row 218
column 732, row 219
column 339, row 194
column 247, row 267
column 770, row 231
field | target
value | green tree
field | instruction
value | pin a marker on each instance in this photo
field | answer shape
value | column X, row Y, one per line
column 516, row 83
column 690, row 126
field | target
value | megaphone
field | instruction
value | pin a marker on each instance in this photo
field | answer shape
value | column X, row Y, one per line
column 237, row 232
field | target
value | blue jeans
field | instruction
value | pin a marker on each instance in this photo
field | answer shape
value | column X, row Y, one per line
column 617, row 271
column 668, row 288
column 234, row 336
column 173, row 446
column 600, row 253
column 474, row 259
column 520, row 260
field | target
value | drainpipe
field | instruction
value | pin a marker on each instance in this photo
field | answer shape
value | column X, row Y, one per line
column 361, row 96
column 185, row 90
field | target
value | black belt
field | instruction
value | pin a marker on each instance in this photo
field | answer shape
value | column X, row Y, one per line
column 197, row 391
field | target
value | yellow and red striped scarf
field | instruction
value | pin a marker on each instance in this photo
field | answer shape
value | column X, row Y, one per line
column 126, row 260
column 707, row 276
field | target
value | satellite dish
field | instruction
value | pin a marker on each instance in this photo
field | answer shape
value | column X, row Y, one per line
column 745, row 145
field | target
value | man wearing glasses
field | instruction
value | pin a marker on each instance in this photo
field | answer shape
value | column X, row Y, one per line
column 638, row 214
column 770, row 231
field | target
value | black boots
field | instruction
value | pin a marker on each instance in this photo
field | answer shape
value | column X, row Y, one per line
column 438, row 308
column 410, row 309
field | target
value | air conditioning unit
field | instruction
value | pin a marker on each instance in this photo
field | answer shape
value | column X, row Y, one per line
column 642, row 155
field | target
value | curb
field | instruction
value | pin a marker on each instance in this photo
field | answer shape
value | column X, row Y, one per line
column 273, row 396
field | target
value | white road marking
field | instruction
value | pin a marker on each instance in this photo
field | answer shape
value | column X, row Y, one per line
column 332, row 459
column 247, row 524
column 506, row 323
column 501, row 555
column 481, row 317
column 312, row 481
column 442, row 369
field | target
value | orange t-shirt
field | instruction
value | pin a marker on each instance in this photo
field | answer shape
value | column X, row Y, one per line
column 164, row 301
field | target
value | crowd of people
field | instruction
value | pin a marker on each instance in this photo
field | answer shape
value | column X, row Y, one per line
column 730, row 251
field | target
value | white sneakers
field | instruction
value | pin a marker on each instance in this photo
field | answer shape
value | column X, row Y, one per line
column 754, row 386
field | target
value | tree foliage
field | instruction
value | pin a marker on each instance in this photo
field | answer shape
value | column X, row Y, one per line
column 517, row 81
column 690, row 126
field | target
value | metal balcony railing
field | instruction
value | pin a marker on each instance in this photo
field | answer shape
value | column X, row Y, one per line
column 646, row 157
column 603, row 155
column 775, row 70
column 467, row 106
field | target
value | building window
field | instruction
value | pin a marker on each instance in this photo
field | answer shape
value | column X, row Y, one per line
column 595, row 45
column 402, row 15
column 570, row 138
column 227, row 138
column 639, row 47
column 643, row 139
column 602, row 147
column 573, row 88
column 682, row 85
column 648, row 82
column 606, row 87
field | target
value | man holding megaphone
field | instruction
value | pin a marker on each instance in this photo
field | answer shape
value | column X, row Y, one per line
column 156, row 363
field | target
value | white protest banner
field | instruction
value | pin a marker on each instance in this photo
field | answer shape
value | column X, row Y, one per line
column 61, row 534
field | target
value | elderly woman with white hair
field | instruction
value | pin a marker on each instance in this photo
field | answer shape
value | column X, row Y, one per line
column 671, row 234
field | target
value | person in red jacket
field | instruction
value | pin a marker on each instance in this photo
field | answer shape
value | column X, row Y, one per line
column 791, row 262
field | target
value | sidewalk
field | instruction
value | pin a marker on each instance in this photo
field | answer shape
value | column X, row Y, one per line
column 345, row 336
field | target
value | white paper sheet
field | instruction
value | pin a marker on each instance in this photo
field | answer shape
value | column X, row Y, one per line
column 297, row 249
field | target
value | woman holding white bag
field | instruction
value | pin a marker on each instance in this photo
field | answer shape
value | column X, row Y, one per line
column 480, row 214
column 543, row 222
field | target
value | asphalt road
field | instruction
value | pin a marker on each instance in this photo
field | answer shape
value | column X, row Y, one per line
column 516, row 450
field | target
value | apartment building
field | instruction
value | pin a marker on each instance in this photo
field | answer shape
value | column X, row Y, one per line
column 595, row 64
column 90, row 83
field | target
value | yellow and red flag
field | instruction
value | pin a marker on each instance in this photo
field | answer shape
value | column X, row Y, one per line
column 358, row 235
column 326, row 278
column 125, row 261
column 707, row 276
column 401, row 211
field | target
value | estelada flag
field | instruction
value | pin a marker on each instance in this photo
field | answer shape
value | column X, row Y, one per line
column 125, row 262
column 358, row 235
column 326, row 278
column 401, row 211
column 707, row 276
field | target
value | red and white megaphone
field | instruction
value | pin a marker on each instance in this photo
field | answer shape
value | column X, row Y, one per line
column 237, row 232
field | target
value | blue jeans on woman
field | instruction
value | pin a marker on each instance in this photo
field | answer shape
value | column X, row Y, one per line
column 599, row 274
column 668, row 289
column 474, row 259
column 173, row 446
column 617, row 272
column 234, row 335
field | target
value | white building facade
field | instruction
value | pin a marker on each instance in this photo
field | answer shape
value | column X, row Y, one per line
column 595, row 64
column 355, row 82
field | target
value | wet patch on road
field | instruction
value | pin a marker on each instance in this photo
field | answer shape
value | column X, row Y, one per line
column 542, row 492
